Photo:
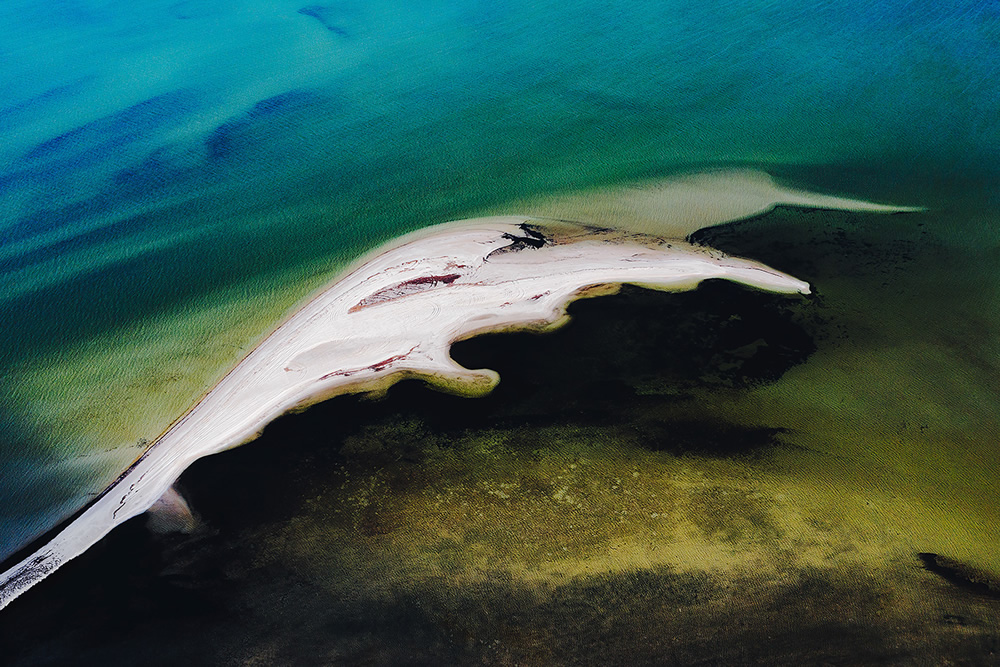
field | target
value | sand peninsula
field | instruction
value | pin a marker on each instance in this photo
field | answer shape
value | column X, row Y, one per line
column 397, row 312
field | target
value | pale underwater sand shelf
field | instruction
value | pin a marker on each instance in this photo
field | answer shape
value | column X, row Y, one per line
column 685, row 203
column 450, row 293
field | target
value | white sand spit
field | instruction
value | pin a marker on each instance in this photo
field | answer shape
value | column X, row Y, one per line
column 396, row 316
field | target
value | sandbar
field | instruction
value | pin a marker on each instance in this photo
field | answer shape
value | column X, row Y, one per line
column 394, row 316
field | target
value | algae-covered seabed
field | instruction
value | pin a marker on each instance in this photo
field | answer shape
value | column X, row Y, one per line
column 717, row 476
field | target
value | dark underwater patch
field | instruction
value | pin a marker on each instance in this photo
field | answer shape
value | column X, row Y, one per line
column 44, row 220
column 239, row 133
column 94, row 301
column 25, row 110
column 330, row 17
column 154, row 172
column 719, row 336
column 709, row 437
column 116, row 139
column 961, row 575
column 816, row 244
column 101, row 138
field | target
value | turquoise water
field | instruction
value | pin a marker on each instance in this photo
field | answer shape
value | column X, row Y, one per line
column 175, row 175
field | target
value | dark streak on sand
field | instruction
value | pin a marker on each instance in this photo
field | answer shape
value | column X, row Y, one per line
column 378, row 366
column 382, row 365
column 404, row 288
column 532, row 239
column 533, row 232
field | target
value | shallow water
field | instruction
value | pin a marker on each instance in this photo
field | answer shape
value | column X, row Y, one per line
column 177, row 175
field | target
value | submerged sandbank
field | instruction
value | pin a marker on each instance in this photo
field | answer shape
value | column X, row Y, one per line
column 683, row 204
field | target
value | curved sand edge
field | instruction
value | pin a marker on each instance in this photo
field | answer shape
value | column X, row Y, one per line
column 395, row 316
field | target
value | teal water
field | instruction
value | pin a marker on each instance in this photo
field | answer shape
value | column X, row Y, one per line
column 176, row 175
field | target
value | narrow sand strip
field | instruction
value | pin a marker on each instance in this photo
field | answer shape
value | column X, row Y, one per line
column 396, row 316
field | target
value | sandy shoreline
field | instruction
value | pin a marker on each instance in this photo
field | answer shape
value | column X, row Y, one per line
column 394, row 316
